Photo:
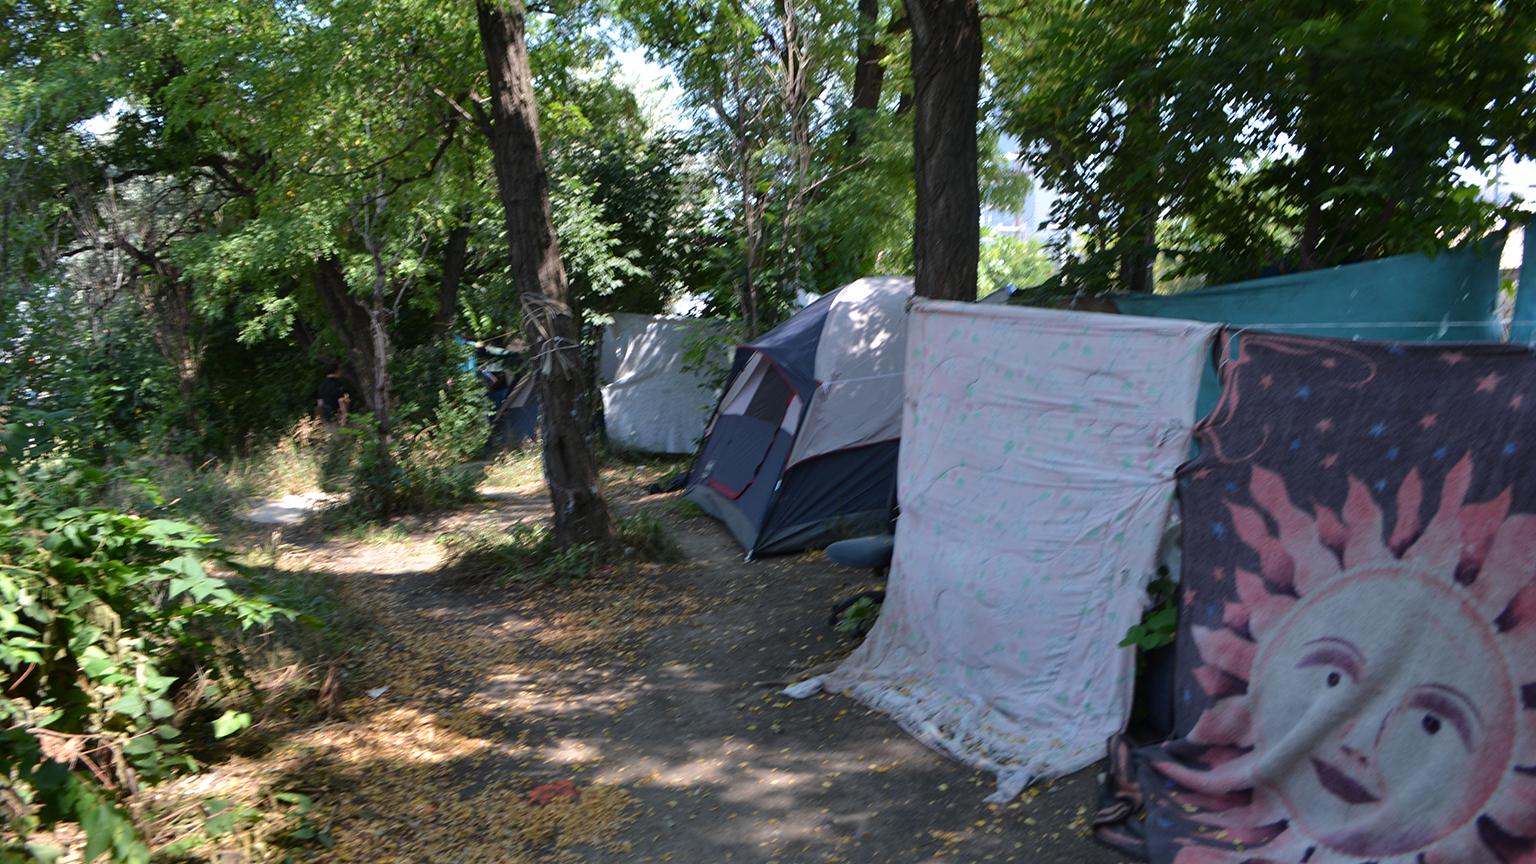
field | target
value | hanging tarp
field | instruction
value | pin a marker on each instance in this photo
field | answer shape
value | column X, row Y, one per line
column 1036, row 473
column 654, row 401
column 1523, row 329
column 1449, row 297
column 1357, row 642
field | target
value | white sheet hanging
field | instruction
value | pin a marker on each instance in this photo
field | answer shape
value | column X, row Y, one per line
column 1037, row 460
column 650, row 401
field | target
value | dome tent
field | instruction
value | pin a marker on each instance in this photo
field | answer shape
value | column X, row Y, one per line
column 802, row 448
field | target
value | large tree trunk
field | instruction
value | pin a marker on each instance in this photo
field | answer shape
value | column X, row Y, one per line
column 946, row 75
column 350, row 321
column 570, row 469
column 1136, row 232
column 455, row 258
column 168, row 298
column 379, row 388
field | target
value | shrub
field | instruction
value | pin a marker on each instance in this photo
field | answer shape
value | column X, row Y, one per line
column 104, row 618
column 514, row 468
column 859, row 617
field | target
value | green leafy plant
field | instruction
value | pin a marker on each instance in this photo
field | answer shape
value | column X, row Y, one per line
column 523, row 552
column 686, row 507
column 105, row 618
column 646, row 536
column 528, row 553
column 859, row 617
column 1159, row 625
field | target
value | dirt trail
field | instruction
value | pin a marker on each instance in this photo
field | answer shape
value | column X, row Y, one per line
column 648, row 691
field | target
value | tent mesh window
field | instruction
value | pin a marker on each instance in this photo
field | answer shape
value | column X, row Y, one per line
column 770, row 400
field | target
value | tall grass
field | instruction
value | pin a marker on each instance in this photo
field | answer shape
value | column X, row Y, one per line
column 527, row 552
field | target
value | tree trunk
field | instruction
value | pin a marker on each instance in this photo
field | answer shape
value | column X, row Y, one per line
column 168, row 298
column 946, row 75
column 455, row 258
column 350, row 321
column 752, row 231
column 1138, row 245
column 380, row 396
column 869, row 73
column 570, row 469
column 1136, row 233
column 797, row 103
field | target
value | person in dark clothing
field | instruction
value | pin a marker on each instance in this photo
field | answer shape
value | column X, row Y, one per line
column 333, row 396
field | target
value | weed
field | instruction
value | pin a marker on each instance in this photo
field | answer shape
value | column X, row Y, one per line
column 648, row 537
column 1159, row 624
column 686, row 507
column 528, row 552
column 859, row 617
column 524, row 552
column 515, row 468
column 375, row 534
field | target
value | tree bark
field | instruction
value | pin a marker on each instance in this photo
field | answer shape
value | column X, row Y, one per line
column 869, row 72
column 1138, row 251
column 570, row 469
column 380, row 390
column 1136, row 233
column 455, row 258
column 350, row 321
column 946, row 74
column 797, row 103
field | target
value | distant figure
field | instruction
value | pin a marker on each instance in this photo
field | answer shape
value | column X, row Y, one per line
column 333, row 397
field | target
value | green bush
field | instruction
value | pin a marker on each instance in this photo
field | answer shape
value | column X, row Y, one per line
column 1160, row 623
column 104, row 619
column 859, row 617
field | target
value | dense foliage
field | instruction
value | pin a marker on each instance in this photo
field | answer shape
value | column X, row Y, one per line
column 1233, row 138
column 110, row 629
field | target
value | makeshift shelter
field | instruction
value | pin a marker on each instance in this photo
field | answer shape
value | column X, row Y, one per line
column 1037, row 470
column 516, row 419
column 802, row 448
column 514, row 396
column 1523, row 329
column 652, row 401
column 1357, row 625
column 1448, row 297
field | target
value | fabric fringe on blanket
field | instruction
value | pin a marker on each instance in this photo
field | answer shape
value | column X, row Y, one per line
column 1036, row 473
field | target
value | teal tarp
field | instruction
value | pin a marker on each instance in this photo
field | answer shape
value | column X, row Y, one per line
column 1449, row 297
column 1524, row 328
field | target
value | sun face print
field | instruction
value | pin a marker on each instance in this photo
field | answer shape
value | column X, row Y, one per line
column 1375, row 690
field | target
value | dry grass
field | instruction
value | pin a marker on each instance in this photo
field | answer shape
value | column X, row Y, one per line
column 515, row 469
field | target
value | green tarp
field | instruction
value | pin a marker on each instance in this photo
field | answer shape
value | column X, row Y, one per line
column 1524, row 327
column 1449, row 297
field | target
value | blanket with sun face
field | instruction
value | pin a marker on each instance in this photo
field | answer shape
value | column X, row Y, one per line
column 1357, row 640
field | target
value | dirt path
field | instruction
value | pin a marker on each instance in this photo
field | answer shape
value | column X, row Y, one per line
column 649, row 691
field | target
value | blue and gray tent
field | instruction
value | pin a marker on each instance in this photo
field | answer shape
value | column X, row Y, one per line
column 802, row 448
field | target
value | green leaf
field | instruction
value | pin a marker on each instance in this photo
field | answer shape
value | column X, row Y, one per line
column 224, row 823
column 43, row 853
column 130, row 704
column 229, row 723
